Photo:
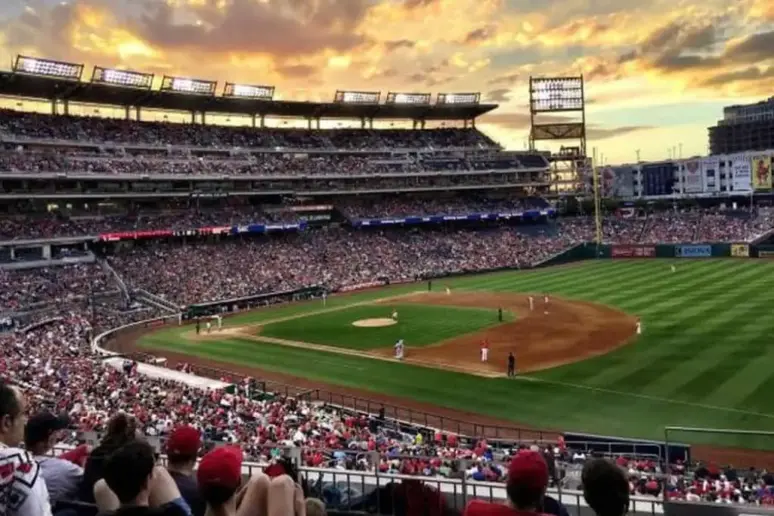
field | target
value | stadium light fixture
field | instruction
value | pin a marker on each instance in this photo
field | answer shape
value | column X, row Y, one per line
column 188, row 86
column 248, row 91
column 415, row 99
column 47, row 68
column 458, row 98
column 357, row 97
column 126, row 78
column 557, row 94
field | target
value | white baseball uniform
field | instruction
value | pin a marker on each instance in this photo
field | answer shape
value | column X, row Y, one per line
column 209, row 326
column 639, row 327
column 448, row 291
column 395, row 315
column 399, row 349
column 531, row 303
column 484, row 353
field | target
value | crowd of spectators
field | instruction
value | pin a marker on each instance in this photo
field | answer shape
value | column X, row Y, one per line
column 399, row 207
column 335, row 258
column 25, row 288
column 106, row 130
column 58, row 374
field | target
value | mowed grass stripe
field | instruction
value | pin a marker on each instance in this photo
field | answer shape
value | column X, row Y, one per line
column 740, row 387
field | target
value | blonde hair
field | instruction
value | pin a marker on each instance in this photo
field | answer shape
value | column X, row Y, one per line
column 315, row 507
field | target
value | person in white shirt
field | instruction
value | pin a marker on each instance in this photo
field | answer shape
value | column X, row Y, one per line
column 41, row 434
column 23, row 490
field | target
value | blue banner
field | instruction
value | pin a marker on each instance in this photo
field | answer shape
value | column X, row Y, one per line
column 530, row 214
column 693, row 251
column 262, row 228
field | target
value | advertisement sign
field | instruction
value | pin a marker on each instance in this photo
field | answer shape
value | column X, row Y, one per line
column 761, row 171
column 742, row 175
column 693, row 251
column 765, row 254
column 710, row 174
column 633, row 251
column 692, row 177
column 680, row 508
column 740, row 250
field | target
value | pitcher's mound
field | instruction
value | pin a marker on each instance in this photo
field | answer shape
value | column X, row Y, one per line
column 378, row 322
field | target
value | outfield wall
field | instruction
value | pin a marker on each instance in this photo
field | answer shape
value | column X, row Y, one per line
column 591, row 250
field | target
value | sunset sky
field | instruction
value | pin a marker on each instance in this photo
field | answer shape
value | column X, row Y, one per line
column 658, row 72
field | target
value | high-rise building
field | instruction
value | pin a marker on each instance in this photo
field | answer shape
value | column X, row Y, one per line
column 746, row 127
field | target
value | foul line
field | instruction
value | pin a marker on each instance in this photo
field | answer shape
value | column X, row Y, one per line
column 645, row 397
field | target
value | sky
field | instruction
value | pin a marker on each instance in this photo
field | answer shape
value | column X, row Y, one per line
column 657, row 72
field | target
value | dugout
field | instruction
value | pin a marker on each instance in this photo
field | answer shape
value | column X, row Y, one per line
column 233, row 305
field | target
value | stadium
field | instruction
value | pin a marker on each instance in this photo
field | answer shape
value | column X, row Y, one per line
column 385, row 308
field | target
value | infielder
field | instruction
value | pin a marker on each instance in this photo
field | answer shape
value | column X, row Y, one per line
column 545, row 304
column 399, row 349
column 531, row 303
column 220, row 322
column 448, row 291
column 209, row 326
column 639, row 327
column 394, row 315
column 484, row 350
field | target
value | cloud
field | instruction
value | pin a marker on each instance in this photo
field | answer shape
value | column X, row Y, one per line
column 602, row 133
column 398, row 44
column 479, row 35
column 499, row 95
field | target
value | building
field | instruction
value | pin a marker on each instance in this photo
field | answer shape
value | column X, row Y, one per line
column 748, row 127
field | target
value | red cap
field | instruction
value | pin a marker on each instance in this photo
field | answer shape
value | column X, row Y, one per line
column 221, row 467
column 184, row 440
column 528, row 469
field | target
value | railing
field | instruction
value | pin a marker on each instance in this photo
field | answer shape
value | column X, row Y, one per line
column 361, row 489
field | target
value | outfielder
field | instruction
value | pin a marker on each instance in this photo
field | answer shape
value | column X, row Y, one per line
column 484, row 350
column 639, row 327
column 394, row 315
column 674, row 269
column 399, row 349
column 448, row 291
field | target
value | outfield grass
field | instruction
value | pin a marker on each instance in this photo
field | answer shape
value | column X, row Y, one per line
column 419, row 325
column 706, row 357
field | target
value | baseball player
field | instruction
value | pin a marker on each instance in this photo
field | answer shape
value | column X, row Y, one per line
column 511, row 364
column 399, row 349
column 484, row 350
column 545, row 304
column 639, row 327
column 448, row 291
column 394, row 315
column 531, row 303
column 209, row 326
column 674, row 269
column 220, row 322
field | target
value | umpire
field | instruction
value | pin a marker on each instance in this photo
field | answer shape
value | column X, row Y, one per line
column 511, row 364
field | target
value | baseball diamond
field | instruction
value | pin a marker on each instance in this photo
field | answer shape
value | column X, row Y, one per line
column 702, row 358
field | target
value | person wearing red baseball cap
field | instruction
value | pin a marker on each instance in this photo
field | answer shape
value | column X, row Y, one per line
column 220, row 483
column 182, row 448
column 526, row 486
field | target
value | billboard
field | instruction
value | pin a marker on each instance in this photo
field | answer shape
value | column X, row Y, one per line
column 693, row 251
column 658, row 178
column 616, row 181
column 761, row 172
column 692, row 177
column 741, row 171
column 740, row 250
column 633, row 251
column 710, row 174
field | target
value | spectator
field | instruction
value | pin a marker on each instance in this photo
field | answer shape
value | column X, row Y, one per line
column 120, row 431
column 605, row 488
column 220, row 477
column 140, row 487
column 182, row 449
column 526, row 487
column 23, row 490
column 62, row 476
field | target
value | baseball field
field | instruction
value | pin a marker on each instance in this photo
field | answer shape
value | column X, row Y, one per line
column 705, row 357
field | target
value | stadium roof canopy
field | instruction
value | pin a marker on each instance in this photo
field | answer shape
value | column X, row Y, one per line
column 52, row 88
